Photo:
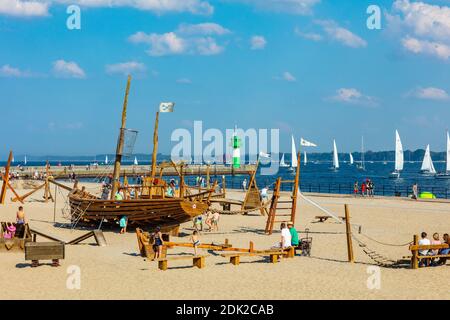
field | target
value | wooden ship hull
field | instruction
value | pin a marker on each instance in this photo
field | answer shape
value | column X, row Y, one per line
column 143, row 212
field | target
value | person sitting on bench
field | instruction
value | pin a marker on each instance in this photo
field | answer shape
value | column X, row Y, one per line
column 294, row 234
column 443, row 261
column 424, row 242
column 285, row 238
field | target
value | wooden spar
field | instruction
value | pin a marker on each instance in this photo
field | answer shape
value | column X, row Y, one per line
column 6, row 180
column 60, row 185
column 295, row 191
column 22, row 198
column 351, row 258
column 120, row 143
column 155, row 146
column 12, row 189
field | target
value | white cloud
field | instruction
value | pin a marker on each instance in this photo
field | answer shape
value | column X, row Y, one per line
column 158, row 6
column 160, row 44
column 286, row 76
column 11, row 72
column 21, row 8
column 430, row 93
column 40, row 7
column 436, row 49
column 308, row 35
column 188, row 39
column 184, row 81
column 67, row 69
column 353, row 96
column 258, row 42
column 342, row 35
column 126, row 68
column 423, row 28
column 425, row 20
column 203, row 29
column 302, row 7
column 289, row 77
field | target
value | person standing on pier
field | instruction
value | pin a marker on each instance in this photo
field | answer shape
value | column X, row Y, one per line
column 244, row 184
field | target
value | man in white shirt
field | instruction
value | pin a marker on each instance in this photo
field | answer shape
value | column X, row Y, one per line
column 285, row 237
column 424, row 242
column 264, row 195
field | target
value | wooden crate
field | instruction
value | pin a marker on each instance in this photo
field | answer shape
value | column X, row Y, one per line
column 44, row 250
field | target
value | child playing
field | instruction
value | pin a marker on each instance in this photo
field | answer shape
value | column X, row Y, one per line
column 195, row 241
column 123, row 224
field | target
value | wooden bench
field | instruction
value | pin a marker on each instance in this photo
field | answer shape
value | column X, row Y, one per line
column 415, row 248
column 197, row 261
column 325, row 218
column 235, row 257
column 36, row 251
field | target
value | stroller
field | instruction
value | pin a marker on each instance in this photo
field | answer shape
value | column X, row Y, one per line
column 306, row 245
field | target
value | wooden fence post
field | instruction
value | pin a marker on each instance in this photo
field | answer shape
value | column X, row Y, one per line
column 415, row 254
column 351, row 259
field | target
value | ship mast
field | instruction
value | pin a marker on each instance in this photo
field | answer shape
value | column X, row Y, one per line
column 120, row 143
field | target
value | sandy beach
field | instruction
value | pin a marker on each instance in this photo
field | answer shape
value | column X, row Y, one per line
column 117, row 271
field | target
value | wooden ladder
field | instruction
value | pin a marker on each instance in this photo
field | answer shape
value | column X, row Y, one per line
column 287, row 211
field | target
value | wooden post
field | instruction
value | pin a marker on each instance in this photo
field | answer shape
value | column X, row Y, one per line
column 6, row 180
column 415, row 253
column 351, row 259
column 120, row 143
column 224, row 187
column 295, row 191
column 54, row 207
column 251, row 247
column 208, row 185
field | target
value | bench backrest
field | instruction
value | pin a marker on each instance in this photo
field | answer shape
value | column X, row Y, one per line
column 428, row 247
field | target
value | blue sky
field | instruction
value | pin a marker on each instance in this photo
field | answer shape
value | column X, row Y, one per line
column 311, row 68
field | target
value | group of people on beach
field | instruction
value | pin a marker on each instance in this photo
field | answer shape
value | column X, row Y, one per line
column 11, row 228
column 433, row 262
column 367, row 188
column 211, row 220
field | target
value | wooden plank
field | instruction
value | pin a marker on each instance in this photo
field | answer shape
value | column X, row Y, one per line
column 33, row 231
column 100, row 238
column 44, row 250
column 428, row 247
column 82, row 238
column 199, row 262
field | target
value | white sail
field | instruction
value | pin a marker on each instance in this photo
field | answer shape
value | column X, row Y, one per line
column 282, row 162
column 106, row 159
column 305, row 158
column 427, row 164
column 294, row 163
column 135, row 161
column 335, row 156
column 351, row 159
column 448, row 152
column 25, row 160
column 399, row 158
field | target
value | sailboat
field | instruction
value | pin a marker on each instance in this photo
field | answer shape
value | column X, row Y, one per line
column 283, row 164
column 362, row 166
column 351, row 159
column 106, row 159
column 427, row 163
column 294, row 163
column 135, row 161
column 399, row 157
column 335, row 157
column 446, row 174
column 305, row 158
column 25, row 161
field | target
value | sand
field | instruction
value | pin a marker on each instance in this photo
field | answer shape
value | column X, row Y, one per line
column 118, row 272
